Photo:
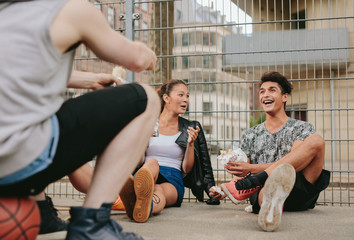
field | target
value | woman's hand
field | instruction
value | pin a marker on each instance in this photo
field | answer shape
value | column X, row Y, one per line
column 188, row 161
column 215, row 194
column 192, row 134
column 239, row 169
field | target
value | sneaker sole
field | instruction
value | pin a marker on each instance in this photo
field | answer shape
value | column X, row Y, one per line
column 229, row 195
column 144, row 190
column 127, row 195
column 276, row 189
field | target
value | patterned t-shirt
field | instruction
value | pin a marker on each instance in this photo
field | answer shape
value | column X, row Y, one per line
column 261, row 146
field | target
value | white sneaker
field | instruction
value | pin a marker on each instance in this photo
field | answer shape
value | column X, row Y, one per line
column 276, row 189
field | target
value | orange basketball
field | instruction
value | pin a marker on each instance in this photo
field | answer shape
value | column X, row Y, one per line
column 19, row 218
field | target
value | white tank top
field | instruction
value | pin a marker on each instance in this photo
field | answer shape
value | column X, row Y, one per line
column 166, row 151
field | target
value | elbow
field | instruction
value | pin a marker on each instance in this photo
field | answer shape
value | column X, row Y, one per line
column 142, row 60
column 187, row 169
column 138, row 65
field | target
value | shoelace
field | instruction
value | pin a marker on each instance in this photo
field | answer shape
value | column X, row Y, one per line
column 249, row 190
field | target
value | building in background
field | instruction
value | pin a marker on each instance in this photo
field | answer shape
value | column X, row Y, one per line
column 222, row 53
column 309, row 42
column 219, row 99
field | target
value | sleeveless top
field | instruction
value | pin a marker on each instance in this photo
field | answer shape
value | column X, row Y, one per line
column 34, row 77
column 166, row 151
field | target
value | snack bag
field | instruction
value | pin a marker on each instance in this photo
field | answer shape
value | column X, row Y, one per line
column 218, row 190
column 232, row 155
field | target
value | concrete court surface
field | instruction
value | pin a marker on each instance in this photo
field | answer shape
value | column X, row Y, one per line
column 228, row 221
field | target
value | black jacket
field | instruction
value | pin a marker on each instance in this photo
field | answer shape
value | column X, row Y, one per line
column 201, row 177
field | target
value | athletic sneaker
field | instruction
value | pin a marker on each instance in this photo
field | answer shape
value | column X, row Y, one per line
column 144, row 190
column 252, row 181
column 127, row 195
column 50, row 222
column 237, row 196
column 118, row 205
column 95, row 223
column 276, row 189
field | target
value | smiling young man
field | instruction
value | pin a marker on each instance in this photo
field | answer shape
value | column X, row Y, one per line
column 285, row 159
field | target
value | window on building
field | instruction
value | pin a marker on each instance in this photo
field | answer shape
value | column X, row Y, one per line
column 207, row 108
column 299, row 17
column 185, row 62
column 175, row 40
column 297, row 112
column 111, row 17
column 185, row 39
column 174, row 63
column 208, row 39
column 208, row 86
column 208, row 129
column 206, row 63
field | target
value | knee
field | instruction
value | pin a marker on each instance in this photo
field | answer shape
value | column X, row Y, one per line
column 158, row 188
column 316, row 142
column 153, row 102
column 152, row 162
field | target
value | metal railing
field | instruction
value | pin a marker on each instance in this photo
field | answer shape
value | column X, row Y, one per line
column 221, row 48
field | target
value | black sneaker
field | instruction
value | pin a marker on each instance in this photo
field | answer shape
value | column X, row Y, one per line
column 50, row 222
column 252, row 181
column 90, row 223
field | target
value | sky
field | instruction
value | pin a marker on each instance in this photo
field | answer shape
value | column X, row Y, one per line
column 230, row 10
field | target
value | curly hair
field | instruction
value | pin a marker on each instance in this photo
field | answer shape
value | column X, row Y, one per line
column 274, row 76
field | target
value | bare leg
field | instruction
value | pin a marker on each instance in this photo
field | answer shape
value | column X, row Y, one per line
column 307, row 156
column 81, row 178
column 153, row 166
column 165, row 194
column 122, row 155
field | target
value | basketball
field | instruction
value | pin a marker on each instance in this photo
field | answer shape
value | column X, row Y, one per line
column 19, row 219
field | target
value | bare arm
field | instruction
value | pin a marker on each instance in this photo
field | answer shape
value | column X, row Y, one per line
column 241, row 169
column 188, row 161
column 80, row 21
column 90, row 80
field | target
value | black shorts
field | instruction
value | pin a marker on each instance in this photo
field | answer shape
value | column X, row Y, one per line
column 87, row 125
column 304, row 194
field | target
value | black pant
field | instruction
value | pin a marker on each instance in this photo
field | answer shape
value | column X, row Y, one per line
column 303, row 195
column 87, row 125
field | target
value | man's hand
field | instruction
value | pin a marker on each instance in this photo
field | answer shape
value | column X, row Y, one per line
column 239, row 169
column 90, row 80
column 104, row 80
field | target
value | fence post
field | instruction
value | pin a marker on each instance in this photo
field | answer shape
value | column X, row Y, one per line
column 129, row 31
